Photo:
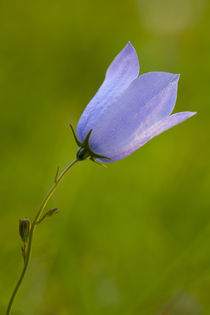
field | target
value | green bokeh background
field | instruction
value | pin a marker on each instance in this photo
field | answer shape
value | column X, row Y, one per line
column 133, row 238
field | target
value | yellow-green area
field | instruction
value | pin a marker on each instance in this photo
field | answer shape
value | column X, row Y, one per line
column 132, row 239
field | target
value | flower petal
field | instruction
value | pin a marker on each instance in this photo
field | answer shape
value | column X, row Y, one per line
column 122, row 71
column 140, row 138
column 148, row 99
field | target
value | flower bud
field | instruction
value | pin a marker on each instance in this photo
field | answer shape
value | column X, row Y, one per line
column 24, row 229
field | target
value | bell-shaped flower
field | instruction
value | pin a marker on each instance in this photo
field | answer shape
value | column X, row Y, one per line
column 128, row 110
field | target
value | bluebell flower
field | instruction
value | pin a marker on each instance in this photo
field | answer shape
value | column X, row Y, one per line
column 128, row 110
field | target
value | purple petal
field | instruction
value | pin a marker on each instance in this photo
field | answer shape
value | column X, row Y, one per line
column 122, row 71
column 148, row 99
column 140, row 138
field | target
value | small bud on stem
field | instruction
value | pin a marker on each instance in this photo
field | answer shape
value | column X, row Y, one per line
column 56, row 175
column 24, row 229
column 48, row 214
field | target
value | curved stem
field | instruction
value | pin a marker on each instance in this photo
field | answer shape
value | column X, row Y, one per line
column 39, row 213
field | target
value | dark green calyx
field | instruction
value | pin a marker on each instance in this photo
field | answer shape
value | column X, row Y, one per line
column 85, row 152
column 24, row 229
column 82, row 154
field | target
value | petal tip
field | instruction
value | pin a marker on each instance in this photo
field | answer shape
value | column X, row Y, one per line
column 175, row 77
column 184, row 115
column 127, row 59
column 192, row 114
column 130, row 49
column 129, row 45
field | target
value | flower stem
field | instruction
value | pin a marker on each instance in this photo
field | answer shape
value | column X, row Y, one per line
column 37, row 217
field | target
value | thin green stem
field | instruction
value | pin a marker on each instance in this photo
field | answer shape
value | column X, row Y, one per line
column 37, row 217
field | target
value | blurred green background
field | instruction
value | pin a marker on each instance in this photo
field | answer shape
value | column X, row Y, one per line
column 133, row 238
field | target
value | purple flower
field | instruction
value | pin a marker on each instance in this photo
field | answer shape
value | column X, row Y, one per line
column 128, row 110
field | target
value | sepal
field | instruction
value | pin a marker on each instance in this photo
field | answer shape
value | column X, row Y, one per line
column 85, row 152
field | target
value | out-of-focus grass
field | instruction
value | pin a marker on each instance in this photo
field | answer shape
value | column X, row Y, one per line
column 131, row 239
